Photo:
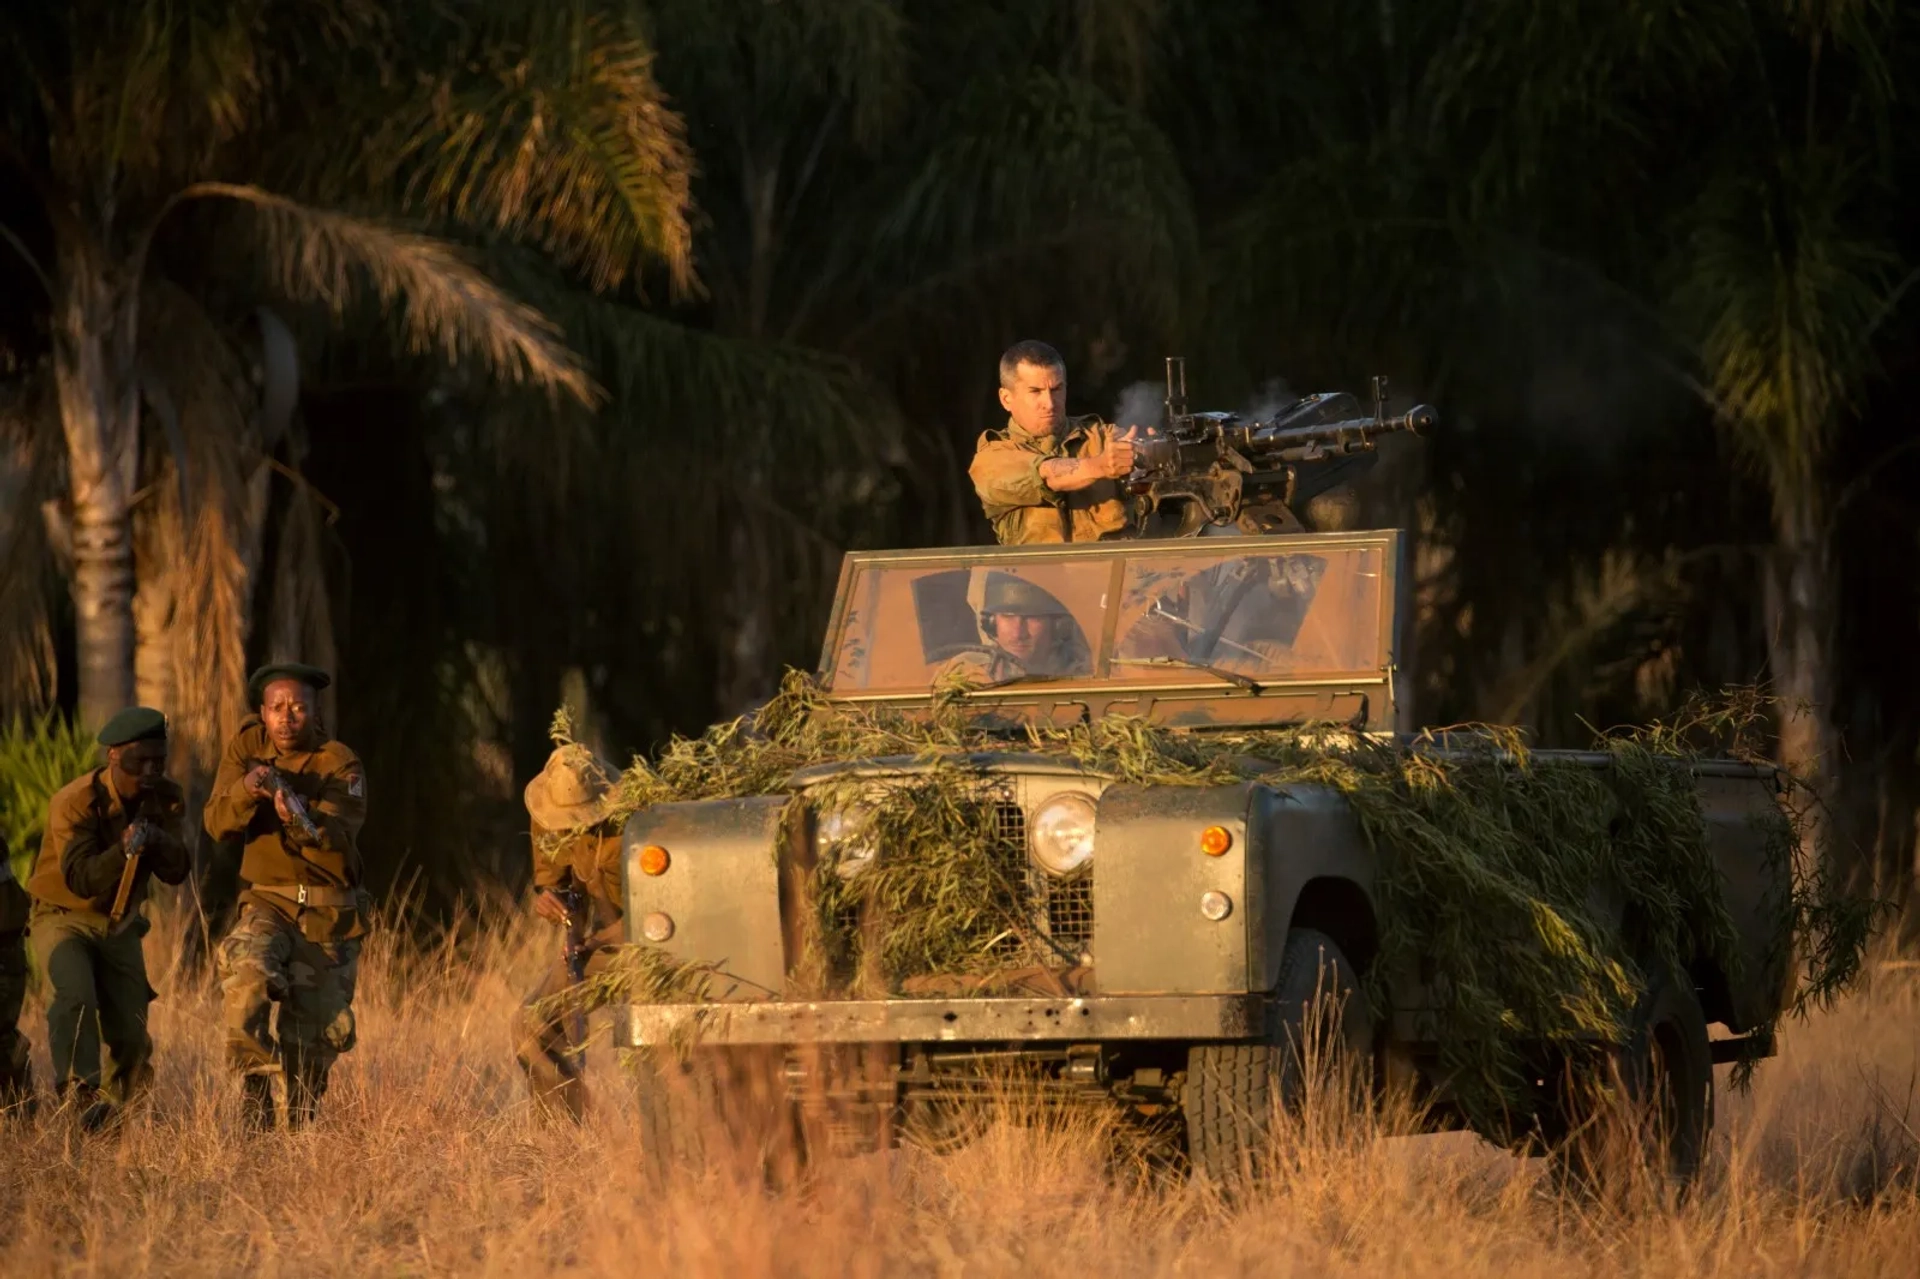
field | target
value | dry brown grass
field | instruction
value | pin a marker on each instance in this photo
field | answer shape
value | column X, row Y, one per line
column 429, row 1161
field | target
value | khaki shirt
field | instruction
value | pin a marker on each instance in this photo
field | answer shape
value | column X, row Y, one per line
column 81, row 859
column 332, row 782
column 1018, row 503
column 1067, row 656
column 588, row 858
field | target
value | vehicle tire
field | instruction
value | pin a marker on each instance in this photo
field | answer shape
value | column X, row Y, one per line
column 1232, row 1090
column 714, row 1106
column 1665, row 1073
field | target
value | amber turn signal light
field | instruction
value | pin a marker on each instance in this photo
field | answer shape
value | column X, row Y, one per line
column 1215, row 840
column 654, row 860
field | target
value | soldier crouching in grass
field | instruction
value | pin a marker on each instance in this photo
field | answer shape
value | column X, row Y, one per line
column 295, row 799
column 576, row 878
column 109, row 834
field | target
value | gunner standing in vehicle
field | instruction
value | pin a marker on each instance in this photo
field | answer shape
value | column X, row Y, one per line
column 1048, row 477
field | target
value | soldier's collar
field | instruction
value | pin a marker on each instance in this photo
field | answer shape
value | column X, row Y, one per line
column 1075, row 426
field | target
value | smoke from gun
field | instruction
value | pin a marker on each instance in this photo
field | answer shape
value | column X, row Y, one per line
column 1142, row 404
column 1274, row 397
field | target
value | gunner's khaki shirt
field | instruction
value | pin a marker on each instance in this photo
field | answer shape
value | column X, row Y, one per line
column 333, row 783
column 1018, row 503
column 81, row 858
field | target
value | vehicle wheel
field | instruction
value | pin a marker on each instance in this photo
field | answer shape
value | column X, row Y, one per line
column 713, row 1106
column 1232, row 1090
column 1664, row 1072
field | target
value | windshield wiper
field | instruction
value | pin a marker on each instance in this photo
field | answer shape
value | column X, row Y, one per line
column 1232, row 677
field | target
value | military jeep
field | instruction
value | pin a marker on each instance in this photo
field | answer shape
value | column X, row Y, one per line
column 1177, row 939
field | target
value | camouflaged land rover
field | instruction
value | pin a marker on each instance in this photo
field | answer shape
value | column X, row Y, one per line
column 1176, row 937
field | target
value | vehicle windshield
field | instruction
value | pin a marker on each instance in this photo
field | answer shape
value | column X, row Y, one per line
column 1282, row 610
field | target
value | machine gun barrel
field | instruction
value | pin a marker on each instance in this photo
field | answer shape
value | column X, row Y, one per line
column 1265, row 443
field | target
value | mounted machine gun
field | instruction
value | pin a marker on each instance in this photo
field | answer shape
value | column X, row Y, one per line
column 1217, row 473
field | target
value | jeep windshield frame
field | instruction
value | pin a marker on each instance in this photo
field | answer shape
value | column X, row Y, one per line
column 1200, row 632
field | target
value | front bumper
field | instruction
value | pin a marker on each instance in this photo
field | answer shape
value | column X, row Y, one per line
column 854, row 1021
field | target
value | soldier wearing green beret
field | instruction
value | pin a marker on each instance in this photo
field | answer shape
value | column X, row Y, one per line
column 16, row 1067
column 294, row 799
column 109, row 833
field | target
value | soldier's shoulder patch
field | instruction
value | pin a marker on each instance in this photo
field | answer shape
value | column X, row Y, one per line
column 357, row 784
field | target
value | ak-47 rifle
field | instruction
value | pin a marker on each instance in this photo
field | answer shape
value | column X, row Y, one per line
column 143, row 834
column 1218, row 471
column 277, row 784
column 574, row 948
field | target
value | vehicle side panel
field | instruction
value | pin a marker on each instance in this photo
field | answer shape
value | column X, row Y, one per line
column 1744, row 835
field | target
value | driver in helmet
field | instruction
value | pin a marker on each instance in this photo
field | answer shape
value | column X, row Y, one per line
column 1026, row 632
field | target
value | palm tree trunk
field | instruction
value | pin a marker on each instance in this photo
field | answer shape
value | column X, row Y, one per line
column 94, row 321
column 1799, row 607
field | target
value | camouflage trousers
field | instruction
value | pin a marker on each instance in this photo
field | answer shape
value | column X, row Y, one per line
column 16, row 1069
column 549, row 1039
column 267, row 960
column 100, row 993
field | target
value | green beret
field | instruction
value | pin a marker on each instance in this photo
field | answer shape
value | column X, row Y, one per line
column 312, row 676
column 134, row 724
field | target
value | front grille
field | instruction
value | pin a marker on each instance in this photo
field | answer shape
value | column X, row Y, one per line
column 1059, row 912
column 1070, row 912
column 1033, row 920
column 1010, row 827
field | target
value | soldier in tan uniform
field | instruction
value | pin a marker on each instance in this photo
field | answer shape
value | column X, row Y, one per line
column 16, row 1067
column 1027, row 632
column 576, row 853
column 109, row 833
column 1048, row 477
column 302, row 909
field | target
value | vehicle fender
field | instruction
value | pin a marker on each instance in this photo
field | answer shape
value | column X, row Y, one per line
column 1310, row 865
column 1149, row 875
column 721, row 888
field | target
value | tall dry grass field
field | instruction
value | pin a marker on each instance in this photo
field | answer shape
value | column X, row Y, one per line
column 429, row 1162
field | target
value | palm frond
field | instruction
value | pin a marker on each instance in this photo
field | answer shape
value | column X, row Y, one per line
column 1783, row 292
column 440, row 300
column 1003, row 182
column 551, row 128
column 784, row 62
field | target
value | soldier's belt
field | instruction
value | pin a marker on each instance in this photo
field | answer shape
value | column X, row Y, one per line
column 311, row 894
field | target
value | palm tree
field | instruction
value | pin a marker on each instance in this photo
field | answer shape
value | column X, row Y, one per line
column 1786, row 274
column 523, row 120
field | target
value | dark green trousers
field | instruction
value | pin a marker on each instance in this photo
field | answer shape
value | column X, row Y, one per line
column 100, row 992
column 16, row 1072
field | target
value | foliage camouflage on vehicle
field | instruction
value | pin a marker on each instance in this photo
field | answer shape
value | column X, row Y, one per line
column 1487, row 855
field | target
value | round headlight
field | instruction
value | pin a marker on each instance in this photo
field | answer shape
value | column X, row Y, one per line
column 846, row 835
column 1060, row 835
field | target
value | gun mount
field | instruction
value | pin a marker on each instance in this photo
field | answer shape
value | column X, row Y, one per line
column 1220, row 473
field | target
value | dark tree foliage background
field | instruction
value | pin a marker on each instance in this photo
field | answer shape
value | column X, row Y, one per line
column 1650, row 260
